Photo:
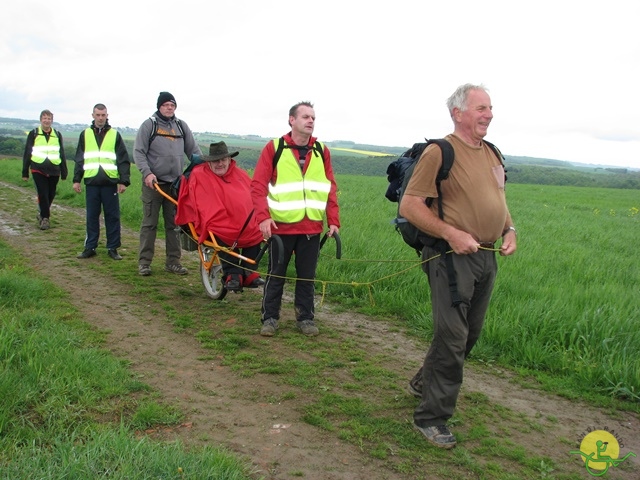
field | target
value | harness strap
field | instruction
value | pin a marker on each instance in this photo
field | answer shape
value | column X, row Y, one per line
column 443, row 247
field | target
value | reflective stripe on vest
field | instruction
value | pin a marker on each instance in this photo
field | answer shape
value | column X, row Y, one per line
column 295, row 195
column 103, row 156
column 43, row 148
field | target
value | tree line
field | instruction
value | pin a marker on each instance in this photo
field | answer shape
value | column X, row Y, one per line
column 13, row 143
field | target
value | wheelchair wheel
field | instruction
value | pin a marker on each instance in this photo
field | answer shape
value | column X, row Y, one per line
column 212, row 279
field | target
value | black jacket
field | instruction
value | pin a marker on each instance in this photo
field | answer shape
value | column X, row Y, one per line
column 122, row 160
column 46, row 168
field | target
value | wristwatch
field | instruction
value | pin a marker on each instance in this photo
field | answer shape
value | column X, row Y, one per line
column 510, row 228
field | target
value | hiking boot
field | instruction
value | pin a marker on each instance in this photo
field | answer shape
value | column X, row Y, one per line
column 438, row 435
column 269, row 327
column 307, row 327
column 44, row 224
column 87, row 253
column 176, row 268
column 113, row 253
column 144, row 270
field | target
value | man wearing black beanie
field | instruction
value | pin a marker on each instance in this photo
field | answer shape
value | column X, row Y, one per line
column 161, row 146
column 165, row 97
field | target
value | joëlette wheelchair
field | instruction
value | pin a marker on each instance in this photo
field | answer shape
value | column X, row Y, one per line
column 210, row 264
column 209, row 250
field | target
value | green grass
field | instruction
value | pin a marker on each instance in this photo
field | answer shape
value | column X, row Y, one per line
column 564, row 317
column 564, row 306
column 57, row 386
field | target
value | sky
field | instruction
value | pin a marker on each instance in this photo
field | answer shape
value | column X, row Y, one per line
column 563, row 75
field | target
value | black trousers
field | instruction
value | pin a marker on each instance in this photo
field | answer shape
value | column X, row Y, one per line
column 306, row 249
column 233, row 265
column 46, row 189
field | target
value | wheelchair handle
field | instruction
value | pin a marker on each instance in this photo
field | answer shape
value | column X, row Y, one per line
column 279, row 246
column 338, row 244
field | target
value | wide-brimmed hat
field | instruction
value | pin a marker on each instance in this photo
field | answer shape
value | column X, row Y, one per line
column 218, row 151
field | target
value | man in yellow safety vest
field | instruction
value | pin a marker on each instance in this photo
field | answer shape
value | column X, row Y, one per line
column 294, row 191
column 102, row 159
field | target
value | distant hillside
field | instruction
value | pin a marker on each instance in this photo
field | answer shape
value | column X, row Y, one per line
column 350, row 157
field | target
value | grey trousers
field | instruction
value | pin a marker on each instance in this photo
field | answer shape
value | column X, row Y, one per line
column 455, row 330
column 152, row 202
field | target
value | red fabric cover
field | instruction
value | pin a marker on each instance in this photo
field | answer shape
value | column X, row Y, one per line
column 220, row 204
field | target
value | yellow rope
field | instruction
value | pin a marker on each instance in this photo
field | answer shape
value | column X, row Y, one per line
column 354, row 284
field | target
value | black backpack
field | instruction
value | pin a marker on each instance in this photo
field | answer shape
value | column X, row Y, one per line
column 317, row 149
column 193, row 161
column 399, row 173
column 175, row 185
column 154, row 129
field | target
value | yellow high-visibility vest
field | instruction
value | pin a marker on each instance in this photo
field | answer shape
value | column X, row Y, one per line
column 295, row 195
column 103, row 156
column 43, row 148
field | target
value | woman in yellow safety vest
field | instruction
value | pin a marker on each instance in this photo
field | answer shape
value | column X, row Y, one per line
column 44, row 155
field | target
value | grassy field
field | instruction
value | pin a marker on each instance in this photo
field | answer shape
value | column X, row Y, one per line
column 58, row 387
column 565, row 305
column 564, row 315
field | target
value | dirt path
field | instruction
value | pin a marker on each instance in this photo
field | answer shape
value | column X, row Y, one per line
column 219, row 406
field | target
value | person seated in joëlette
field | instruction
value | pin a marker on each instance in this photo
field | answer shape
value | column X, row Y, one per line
column 217, row 198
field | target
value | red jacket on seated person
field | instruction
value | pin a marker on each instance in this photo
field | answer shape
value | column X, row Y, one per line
column 220, row 204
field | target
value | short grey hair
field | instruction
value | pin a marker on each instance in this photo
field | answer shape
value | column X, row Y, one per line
column 458, row 99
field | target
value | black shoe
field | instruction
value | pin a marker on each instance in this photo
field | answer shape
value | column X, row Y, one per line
column 234, row 283
column 87, row 253
column 113, row 253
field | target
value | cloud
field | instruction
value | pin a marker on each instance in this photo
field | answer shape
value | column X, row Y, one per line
column 562, row 75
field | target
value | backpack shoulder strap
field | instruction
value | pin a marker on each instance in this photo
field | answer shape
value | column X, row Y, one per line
column 447, row 162
column 179, row 124
column 498, row 154
column 496, row 151
column 447, row 159
column 317, row 149
column 278, row 154
column 154, row 129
